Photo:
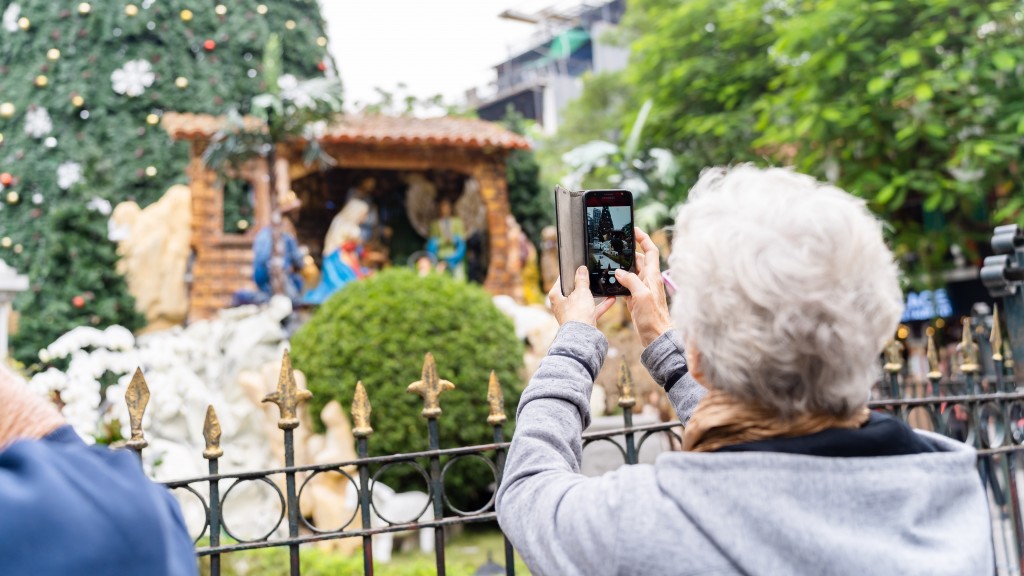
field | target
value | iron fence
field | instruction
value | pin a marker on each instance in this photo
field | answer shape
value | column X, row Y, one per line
column 982, row 408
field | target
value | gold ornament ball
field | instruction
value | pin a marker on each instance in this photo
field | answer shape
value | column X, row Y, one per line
column 131, row 10
column 13, row 197
column 6, row 242
column 150, row 171
column 221, row 10
column 84, row 8
column 181, row 82
column 242, row 224
column 7, row 110
column 41, row 81
column 18, row 248
column 152, row 119
column 53, row 54
column 186, row 15
column 77, row 101
column 261, row 9
column 24, row 23
column 321, row 41
column 290, row 24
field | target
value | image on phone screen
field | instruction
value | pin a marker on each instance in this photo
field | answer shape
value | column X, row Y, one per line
column 610, row 246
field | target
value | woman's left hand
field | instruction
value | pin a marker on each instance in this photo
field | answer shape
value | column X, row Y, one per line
column 578, row 306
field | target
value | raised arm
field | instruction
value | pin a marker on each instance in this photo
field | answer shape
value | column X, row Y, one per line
column 663, row 355
column 545, row 506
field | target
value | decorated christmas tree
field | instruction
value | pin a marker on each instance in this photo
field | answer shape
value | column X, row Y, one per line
column 83, row 86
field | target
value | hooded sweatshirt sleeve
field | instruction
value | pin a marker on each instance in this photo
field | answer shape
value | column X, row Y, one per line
column 68, row 508
column 560, row 521
column 665, row 359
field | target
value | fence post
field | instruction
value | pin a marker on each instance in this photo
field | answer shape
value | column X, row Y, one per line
column 430, row 387
column 968, row 350
column 1002, row 275
column 137, row 397
column 626, row 402
column 361, row 430
column 287, row 397
column 496, row 418
column 995, row 339
column 211, row 433
column 934, row 375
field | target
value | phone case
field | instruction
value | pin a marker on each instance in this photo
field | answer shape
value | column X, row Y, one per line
column 572, row 252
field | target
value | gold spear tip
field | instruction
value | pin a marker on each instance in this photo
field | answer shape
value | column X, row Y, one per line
column 968, row 350
column 361, row 412
column 288, row 395
column 893, row 357
column 625, row 386
column 137, row 398
column 933, row 360
column 430, row 387
column 496, row 399
column 211, row 433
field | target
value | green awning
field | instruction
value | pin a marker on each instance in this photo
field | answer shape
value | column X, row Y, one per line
column 562, row 46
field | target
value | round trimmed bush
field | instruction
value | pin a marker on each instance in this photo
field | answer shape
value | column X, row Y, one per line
column 378, row 331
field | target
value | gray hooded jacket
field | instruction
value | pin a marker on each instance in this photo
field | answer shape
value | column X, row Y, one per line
column 725, row 513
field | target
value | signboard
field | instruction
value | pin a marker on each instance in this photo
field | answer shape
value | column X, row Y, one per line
column 927, row 305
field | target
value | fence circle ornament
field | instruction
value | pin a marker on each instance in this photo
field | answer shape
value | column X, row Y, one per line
column 991, row 425
column 444, row 493
column 355, row 509
column 206, row 510
column 374, row 482
column 224, row 499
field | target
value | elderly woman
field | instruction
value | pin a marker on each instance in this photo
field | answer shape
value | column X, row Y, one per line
column 786, row 297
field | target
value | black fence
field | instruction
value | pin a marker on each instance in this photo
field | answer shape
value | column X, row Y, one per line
column 975, row 401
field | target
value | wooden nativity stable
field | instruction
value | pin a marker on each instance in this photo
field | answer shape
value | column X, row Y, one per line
column 448, row 158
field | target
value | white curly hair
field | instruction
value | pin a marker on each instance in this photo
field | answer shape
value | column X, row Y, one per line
column 786, row 289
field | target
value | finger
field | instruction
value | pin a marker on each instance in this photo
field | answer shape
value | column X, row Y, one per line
column 652, row 257
column 603, row 307
column 640, row 260
column 582, row 279
column 555, row 294
column 631, row 282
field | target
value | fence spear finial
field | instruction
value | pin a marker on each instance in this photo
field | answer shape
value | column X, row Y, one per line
column 137, row 398
column 996, row 337
column 968, row 350
column 430, row 387
column 361, row 412
column 211, row 433
column 496, row 399
column 288, row 395
column 625, row 386
column 933, row 360
column 893, row 357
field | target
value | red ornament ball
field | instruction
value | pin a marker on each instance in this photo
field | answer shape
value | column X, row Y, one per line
column 78, row 301
column 6, row 179
column 209, row 45
column 321, row 66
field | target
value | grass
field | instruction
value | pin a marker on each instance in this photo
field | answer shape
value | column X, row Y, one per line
column 464, row 554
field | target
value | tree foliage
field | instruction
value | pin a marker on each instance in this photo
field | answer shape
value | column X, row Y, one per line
column 379, row 329
column 916, row 105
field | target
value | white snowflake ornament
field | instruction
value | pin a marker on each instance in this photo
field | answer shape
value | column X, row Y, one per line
column 37, row 122
column 133, row 78
column 11, row 16
column 100, row 205
column 37, row 198
column 68, row 174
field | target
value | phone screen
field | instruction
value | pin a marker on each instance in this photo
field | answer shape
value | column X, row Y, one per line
column 610, row 241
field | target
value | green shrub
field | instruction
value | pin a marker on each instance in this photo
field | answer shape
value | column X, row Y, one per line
column 378, row 331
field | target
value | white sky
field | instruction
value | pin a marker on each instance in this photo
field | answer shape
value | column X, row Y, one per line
column 433, row 46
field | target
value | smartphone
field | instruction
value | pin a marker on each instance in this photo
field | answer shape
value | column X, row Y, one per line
column 610, row 241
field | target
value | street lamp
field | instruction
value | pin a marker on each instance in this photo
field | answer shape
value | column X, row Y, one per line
column 11, row 284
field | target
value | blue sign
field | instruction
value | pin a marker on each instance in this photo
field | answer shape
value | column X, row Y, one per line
column 927, row 305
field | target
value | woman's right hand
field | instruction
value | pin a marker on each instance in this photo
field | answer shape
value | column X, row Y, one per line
column 647, row 303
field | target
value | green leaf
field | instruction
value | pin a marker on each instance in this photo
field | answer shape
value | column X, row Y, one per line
column 885, row 194
column 910, row 58
column 937, row 37
column 983, row 148
column 804, row 125
column 923, row 92
column 1020, row 125
column 877, row 85
column 837, row 64
column 906, row 133
column 1004, row 60
column 933, row 201
column 935, row 130
column 831, row 114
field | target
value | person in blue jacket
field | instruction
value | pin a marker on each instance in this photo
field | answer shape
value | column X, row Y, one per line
column 67, row 508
